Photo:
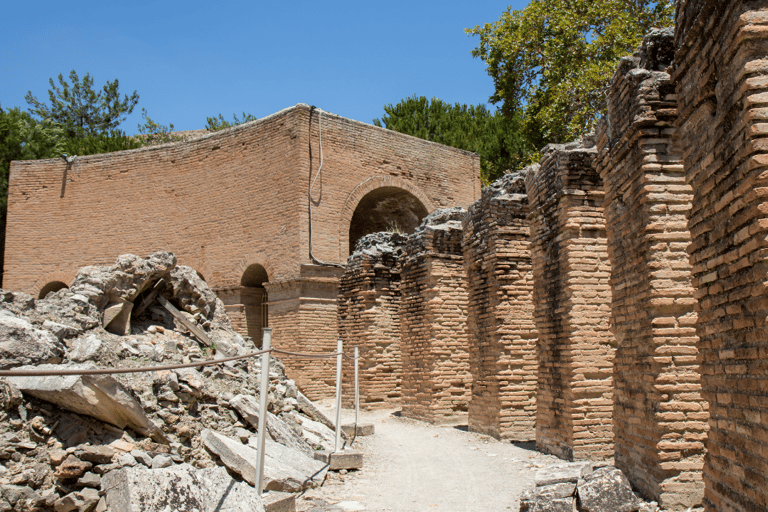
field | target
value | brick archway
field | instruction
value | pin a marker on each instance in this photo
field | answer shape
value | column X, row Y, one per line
column 52, row 277
column 364, row 188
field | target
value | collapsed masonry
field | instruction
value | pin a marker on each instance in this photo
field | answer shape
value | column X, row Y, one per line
column 639, row 255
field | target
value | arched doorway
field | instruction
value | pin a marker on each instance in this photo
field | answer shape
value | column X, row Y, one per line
column 253, row 296
column 53, row 286
column 385, row 209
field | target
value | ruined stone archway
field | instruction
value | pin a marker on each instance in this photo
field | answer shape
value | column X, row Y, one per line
column 385, row 209
column 53, row 286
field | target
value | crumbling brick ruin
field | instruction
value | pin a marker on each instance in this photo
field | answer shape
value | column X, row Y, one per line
column 502, row 342
column 572, row 298
column 720, row 72
column 235, row 206
column 369, row 317
column 433, row 321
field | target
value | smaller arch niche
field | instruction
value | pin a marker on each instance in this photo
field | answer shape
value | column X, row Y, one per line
column 53, row 286
column 385, row 209
column 254, row 299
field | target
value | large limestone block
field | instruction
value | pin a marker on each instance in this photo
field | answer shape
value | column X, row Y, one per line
column 285, row 469
column 22, row 344
column 98, row 396
column 607, row 490
column 180, row 487
column 278, row 430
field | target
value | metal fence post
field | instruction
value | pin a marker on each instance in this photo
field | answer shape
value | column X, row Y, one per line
column 338, row 394
column 263, row 393
column 357, row 391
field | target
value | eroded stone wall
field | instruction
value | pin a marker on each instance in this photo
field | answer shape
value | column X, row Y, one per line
column 433, row 321
column 722, row 86
column 502, row 341
column 660, row 420
column 572, row 298
column 369, row 318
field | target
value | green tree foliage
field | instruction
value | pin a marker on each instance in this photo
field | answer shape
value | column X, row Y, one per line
column 152, row 133
column 81, row 110
column 215, row 124
column 106, row 142
column 554, row 59
column 498, row 140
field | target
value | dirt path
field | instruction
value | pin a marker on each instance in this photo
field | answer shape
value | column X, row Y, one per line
column 412, row 466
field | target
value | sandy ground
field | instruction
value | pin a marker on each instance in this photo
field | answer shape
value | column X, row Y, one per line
column 412, row 466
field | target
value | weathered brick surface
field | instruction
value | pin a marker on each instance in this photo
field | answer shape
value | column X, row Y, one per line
column 660, row 420
column 502, row 342
column 433, row 321
column 572, row 297
column 369, row 318
column 226, row 201
column 720, row 74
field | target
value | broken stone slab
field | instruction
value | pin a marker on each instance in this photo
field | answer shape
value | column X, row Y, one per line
column 344, row 459
column 560, row 473
column 84, row 349
column 80, row 501
column 72, row 467
column 278, row 430
column 284, row 469
column 180, row 487
column 310, row 409
column 117, row 317
column 549, row 498
column 317, row 434
column 23, row 344
column 606, row 489
column 276, row 501
column 98, row 396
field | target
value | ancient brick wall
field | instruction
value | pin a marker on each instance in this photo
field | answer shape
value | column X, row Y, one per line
column 720, row 74
column 433, row 321
column 369, row 318
column 227, row 201
column 660, row 420
column 502, row 341
column 572, row 304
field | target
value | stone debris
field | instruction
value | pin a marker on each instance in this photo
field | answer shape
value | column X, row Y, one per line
column 96, row 443
column 580, row 487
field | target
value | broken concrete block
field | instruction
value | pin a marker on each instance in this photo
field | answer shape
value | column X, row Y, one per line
column 278, row 430
column 317, row 434
column 180, row 487
column 607, row 490
column 344, row 459
column 559, row 473
column 22, row 344
column 285, row 469
column 275, row 501
column 98, row 396
column 307, row 407
column 85, row 348
column 549, row 498
column 117, row 317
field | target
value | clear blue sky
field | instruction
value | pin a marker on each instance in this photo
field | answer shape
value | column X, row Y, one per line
column 190, row 60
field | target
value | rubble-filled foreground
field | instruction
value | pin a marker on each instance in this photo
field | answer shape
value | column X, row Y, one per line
column 152, row 440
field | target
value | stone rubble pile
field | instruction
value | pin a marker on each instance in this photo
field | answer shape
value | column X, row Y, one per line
column 152, row 440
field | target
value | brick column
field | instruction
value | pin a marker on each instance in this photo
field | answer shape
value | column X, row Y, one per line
column 369, row 318
column 303, row 316
column 722, row 85
column 660, row 422
column 502, row 342
column 433, row 320
column 574, row 403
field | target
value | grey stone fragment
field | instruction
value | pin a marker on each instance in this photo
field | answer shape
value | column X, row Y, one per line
column 180, row 487
column 308, row 408
column 277, row 429
column 549, row 498
column 85, row 349
column 607, row 490
column 98, row 396
column 564, row 472
column 142, row 457
column 17, row 494
column 61, row 331
column 117, row 317
column 80, row 501
column 90, row 480
column 127, row 459
column 162, row 461
column 98, row 454
column 23, row 344
column 344, row 459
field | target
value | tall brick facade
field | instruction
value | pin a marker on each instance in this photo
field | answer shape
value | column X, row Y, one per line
column 369, row 318
column 572, row 304
column 231, row 200
column 660, row 420
column 722, row 86
column 433, row 321
column 502, row 342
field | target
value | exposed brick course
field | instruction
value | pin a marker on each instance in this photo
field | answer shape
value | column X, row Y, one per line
column 433, row 321
column 572, row 298
column 660, row 420
column 721, row 68
column 369, row 318
column 502, row 342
